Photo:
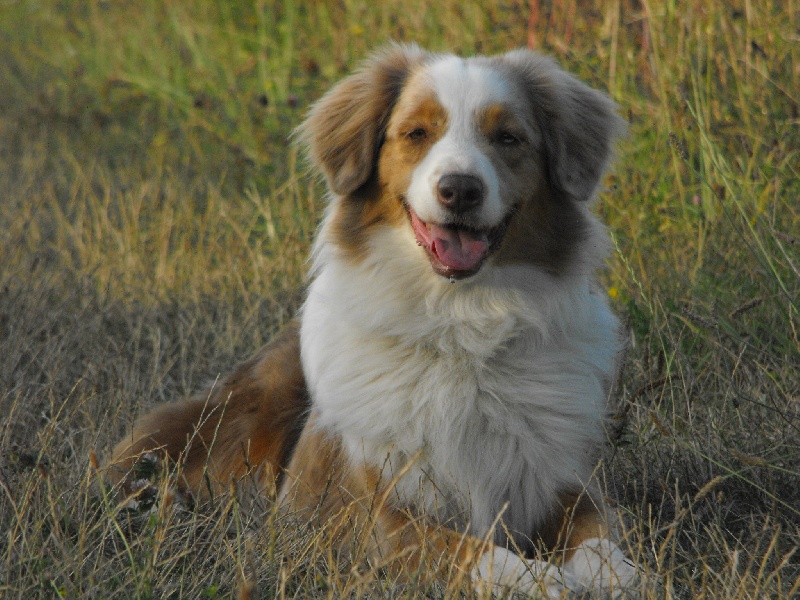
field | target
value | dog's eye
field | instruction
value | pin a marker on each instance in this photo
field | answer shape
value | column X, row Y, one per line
column 417, row 135
column 506, row 138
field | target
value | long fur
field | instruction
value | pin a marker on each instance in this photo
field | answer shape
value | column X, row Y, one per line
column 473, row 396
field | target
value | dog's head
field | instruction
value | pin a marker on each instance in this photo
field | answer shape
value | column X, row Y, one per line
column 481, row 159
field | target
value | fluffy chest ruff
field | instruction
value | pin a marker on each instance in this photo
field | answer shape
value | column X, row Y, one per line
column 490, row 397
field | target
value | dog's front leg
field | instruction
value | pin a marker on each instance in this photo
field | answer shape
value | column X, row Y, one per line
column 360, row 515
column 590, row 558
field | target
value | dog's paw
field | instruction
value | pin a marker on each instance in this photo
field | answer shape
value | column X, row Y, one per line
column 500, row 570
column 599, row 565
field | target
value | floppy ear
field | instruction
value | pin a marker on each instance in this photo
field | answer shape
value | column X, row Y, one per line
column 344, row 130
column 579, row 124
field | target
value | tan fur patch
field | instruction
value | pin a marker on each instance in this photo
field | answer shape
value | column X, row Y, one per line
column 379, row 202
column 416, row 125
column 497, row 119
column 580, row 519
column 369, row 207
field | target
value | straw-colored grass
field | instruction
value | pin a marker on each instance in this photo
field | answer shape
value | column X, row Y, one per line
column 154, row 225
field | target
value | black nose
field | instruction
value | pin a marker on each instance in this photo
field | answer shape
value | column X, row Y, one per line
column 459, row 193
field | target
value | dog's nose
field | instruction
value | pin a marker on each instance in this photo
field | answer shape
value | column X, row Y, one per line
column 459, row 193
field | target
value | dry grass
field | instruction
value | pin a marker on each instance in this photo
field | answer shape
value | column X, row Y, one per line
column 153, row 231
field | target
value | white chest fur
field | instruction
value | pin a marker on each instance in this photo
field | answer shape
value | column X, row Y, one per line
column 496, row 390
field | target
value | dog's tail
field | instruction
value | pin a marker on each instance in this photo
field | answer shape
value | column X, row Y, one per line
column 247, row 424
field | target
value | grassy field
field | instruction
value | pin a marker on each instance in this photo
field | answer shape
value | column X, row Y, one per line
column 154, row 224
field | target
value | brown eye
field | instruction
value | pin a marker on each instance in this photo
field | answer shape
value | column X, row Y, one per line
column 417, row 135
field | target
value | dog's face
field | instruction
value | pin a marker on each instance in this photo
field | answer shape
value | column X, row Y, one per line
column 484, row 160
column 461, row 155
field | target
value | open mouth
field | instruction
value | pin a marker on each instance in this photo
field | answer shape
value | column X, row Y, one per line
column 456, row 251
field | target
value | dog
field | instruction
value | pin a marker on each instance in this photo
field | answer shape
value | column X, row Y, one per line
column 444, row 385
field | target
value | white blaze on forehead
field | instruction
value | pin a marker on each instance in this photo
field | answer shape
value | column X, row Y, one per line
column 464, row 88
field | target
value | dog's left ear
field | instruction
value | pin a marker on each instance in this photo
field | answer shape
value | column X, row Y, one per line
column 579, row 124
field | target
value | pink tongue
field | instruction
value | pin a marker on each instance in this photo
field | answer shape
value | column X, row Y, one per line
column 458, row 249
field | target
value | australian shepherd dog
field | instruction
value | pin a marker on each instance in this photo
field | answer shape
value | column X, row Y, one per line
column 443, row 388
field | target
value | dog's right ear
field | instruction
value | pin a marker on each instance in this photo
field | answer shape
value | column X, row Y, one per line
column 344, row 130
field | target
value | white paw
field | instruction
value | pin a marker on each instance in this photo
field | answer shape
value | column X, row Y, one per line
column 599, row 564
column 503, row 570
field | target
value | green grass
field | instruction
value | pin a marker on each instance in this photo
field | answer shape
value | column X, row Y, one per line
column 154, row 224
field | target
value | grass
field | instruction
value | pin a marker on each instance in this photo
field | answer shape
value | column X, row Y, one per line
column 154, row 224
